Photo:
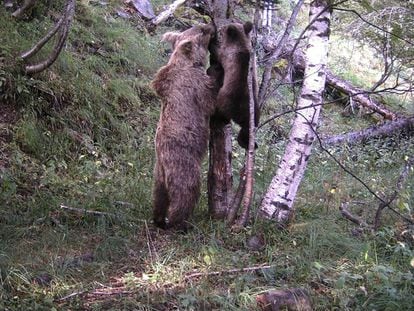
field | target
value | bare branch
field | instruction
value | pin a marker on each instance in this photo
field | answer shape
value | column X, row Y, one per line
column 63, row 34
column 84, row 211
column 230, row 271
column 343, row 207
column 275, row 54
column 44, row 40
column 373, row 25
column 388, row 61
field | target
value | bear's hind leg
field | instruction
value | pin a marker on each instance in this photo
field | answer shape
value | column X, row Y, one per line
column 184, row 195
column 243, row 138
column 160, row 203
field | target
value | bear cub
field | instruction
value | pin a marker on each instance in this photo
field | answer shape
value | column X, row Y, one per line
column 188, row 97
column 231, row 56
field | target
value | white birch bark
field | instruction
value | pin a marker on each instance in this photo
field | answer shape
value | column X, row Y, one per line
column 277, row 203
column 168, row 12
column 267, row 14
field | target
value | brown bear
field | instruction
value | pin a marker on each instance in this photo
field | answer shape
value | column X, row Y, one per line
column 188, row 99
column 230, row 59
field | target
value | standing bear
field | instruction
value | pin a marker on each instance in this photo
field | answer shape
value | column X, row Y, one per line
column 188, row 99
column 230, row 64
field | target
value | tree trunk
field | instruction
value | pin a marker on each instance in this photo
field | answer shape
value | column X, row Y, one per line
column 220, row 176
column 277, row 203
column 387, row 129
column 250, row 152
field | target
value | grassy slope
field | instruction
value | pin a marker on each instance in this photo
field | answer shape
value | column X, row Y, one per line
column 81, row 134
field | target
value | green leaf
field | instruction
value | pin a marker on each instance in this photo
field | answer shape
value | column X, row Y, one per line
column 340, row 283
column 207, row 259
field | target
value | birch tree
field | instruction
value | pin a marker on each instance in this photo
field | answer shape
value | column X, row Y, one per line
column 277, row 203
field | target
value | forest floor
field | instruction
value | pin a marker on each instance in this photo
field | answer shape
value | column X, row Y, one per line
column 81, row 136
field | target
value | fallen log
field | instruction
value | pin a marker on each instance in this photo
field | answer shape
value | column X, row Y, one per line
column 358, row 95
column 386, row 129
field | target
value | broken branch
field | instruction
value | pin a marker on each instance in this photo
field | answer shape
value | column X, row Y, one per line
column 84, row 211
column 230, row 271
column 343, row 207
column 167, row 12
column 63, row 27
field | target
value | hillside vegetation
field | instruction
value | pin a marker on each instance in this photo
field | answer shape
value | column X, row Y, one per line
column 80, row 135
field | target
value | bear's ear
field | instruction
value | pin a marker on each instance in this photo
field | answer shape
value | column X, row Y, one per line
column 208, row 29
column 248, row 26
column 232, row 32
column 186, row 47
column 171, row 37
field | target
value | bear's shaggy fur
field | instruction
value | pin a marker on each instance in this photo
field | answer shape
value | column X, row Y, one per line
column 188, row 99
column 232, row 52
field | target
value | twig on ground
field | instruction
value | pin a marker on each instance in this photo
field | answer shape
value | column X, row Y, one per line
column 343, row 207
column 85, row 211
column 151, row 248
column 73, row 295
column 230, row 271
column 122, row 203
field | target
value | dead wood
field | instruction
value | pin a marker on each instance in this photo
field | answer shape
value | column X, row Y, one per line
column 383, row 130
column 230, row 271
column 167, row 12
column 343, row 207
column 62, row 28
column 83, row 211
column 358, row 95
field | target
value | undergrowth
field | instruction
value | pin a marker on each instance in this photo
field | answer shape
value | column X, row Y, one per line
column 82, row 137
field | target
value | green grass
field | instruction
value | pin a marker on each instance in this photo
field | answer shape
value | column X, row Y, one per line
column 84, row 138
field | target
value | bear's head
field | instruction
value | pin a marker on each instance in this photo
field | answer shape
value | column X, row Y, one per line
column 192, row 44
column 232, row 39
column 206, row 31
